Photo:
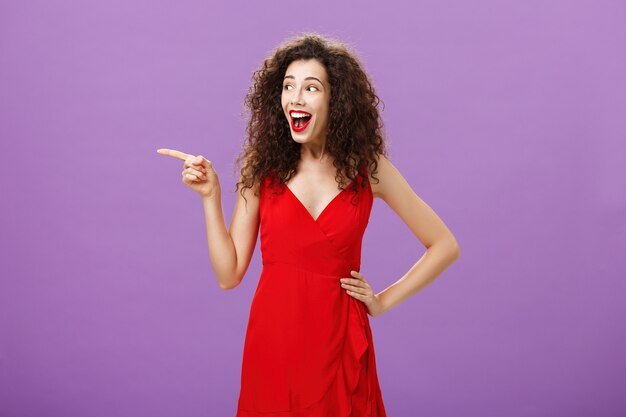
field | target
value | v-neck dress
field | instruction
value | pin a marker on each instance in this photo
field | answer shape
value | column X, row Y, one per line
column 308, row 349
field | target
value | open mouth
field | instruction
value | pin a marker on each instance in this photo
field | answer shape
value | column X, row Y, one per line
column 300, row 120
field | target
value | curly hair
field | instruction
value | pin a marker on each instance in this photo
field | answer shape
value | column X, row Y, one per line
column 355, row 132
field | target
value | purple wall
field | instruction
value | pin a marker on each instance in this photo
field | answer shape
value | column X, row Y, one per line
column 508, row 118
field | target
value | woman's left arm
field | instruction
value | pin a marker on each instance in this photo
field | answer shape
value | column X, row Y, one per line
column 442, row 248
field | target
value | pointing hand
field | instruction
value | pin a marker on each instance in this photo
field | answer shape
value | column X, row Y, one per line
column 198, row 173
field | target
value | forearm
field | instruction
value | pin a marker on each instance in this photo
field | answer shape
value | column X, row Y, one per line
column 436, row 259
column 222, row 251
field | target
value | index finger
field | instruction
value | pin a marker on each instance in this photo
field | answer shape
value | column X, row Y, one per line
column 173, row 153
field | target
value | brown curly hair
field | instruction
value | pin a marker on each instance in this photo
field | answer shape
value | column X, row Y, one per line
column 355, row 132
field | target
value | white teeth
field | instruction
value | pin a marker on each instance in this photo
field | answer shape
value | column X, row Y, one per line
column 298, row 115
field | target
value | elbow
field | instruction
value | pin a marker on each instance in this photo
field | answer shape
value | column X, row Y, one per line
column 229, row 285
column 226, row 287
column 452, row 248
column 455, row 249
column 456, row 252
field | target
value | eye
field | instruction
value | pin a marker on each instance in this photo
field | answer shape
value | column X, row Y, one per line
column 289, row 85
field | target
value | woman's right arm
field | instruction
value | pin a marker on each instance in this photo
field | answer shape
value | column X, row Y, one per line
column 231, row 250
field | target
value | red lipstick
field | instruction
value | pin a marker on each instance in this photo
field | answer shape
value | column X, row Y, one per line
column 293, row 124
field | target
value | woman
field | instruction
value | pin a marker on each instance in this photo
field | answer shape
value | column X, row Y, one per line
column 314, row 123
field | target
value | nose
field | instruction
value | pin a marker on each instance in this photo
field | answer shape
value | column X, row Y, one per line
column 296, row 97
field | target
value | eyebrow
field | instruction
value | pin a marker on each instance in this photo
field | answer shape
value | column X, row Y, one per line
column 307, row 78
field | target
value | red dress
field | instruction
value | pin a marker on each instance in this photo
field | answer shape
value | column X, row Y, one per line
column 308, row 350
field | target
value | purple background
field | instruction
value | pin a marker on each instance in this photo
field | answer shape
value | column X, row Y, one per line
column 507, row 117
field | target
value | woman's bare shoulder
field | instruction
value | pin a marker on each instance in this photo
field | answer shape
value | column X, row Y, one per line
column 377, row 179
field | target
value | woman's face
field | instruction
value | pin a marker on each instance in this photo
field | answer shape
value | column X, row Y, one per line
column 306, row 90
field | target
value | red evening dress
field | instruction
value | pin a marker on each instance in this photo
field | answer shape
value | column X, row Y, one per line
column 308, row 349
